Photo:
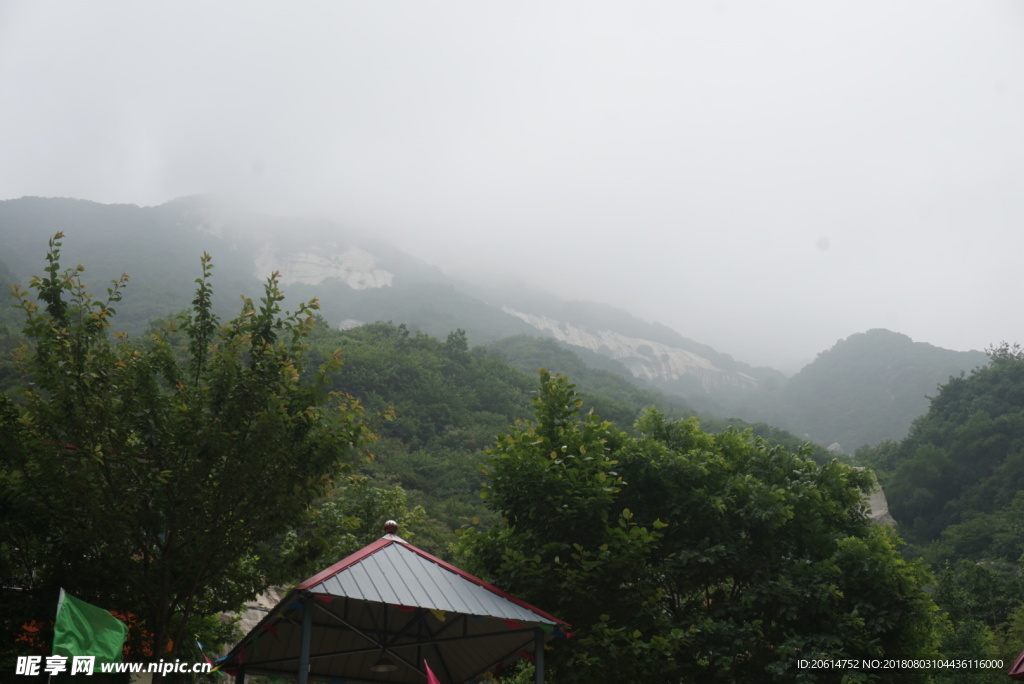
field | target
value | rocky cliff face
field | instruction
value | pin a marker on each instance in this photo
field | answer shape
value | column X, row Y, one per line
column 353, row 266
column 878, row 506
column 647, row 359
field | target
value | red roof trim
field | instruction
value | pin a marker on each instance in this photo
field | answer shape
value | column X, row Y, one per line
column 346, row 562
column 387, row 540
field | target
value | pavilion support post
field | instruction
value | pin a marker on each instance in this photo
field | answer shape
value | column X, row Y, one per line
column 538, row 657
column 240, row 674
column 307, row 631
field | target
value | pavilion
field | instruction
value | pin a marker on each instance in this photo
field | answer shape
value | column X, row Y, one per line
column 379, row 614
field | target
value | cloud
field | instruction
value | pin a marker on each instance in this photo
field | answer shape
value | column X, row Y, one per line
column 763, row 177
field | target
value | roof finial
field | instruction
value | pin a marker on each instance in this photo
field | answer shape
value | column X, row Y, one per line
column 390, row 527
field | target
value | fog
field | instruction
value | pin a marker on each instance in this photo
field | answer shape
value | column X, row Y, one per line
column 765, row 178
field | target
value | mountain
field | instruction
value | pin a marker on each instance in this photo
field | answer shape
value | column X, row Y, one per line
column 158, row 247
column 866, row 389
column 869, row 387
column 357, row 279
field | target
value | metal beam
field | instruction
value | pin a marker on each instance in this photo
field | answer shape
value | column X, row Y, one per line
column 538, row 657
column 307, row 633
column 358, row 631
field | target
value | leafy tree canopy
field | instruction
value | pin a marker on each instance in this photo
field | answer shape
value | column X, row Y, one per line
column 679, row 555
column 144, row 476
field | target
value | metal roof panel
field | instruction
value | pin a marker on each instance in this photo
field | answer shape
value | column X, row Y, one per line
column 401, row 574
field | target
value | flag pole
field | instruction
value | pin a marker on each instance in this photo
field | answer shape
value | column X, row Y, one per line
column 60, row 602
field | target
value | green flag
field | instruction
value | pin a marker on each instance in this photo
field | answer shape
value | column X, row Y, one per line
column 82, row 629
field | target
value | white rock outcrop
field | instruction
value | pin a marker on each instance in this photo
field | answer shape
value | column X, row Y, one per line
column 353, row 266
column 878, row 505
column 644, row 358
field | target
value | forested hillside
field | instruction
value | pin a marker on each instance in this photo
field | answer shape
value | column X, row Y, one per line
column 955, row 487
column 963, row 459
column 446, row 402
column 149, row 244
column 159, row 248
column 868, row 388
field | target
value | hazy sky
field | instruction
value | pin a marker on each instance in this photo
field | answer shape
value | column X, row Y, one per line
column 764, row 177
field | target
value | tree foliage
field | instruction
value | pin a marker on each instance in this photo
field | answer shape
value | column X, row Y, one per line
column 143, row 475
column 954, row 487
column 679, row 555
column 962, row 460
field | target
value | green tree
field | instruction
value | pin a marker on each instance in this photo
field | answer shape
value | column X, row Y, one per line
column 961, row 460
column 679, row 555
column 351, row 516
column 144, row 475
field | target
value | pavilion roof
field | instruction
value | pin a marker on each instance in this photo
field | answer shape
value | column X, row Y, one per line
column 393, row 597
